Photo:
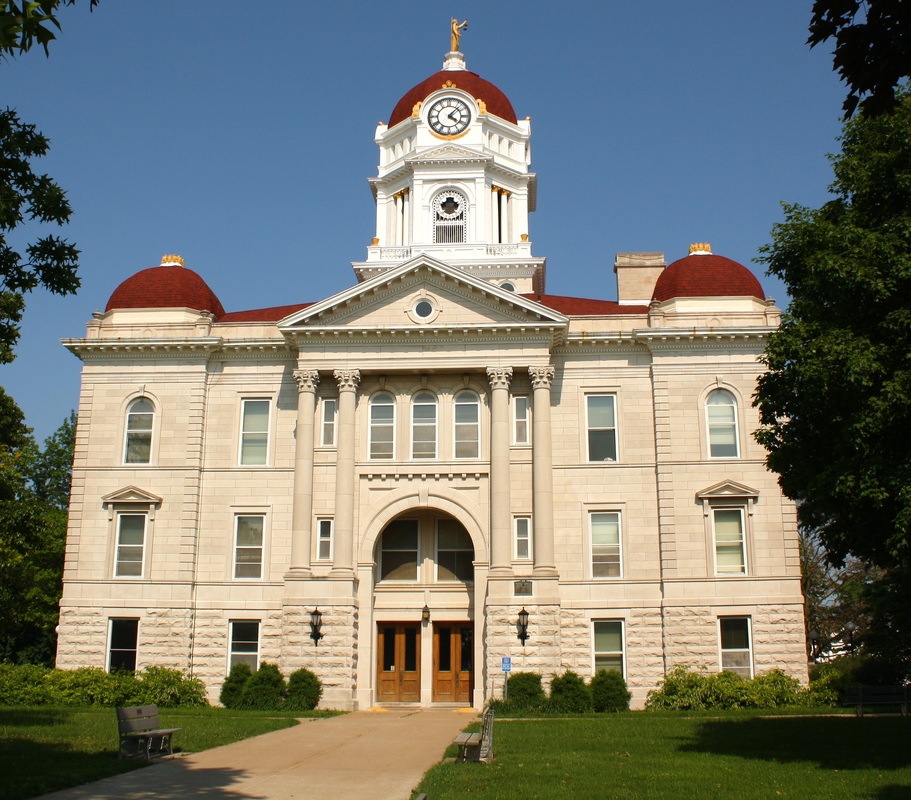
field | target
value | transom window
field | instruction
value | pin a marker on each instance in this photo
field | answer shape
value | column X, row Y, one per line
column 455, row 552
column 399, row 551
column 382, row 426
column 721, row 423
column 467, row 425
column 140, row 422
column 605, row 538
column 601, row 410
column 424, row 425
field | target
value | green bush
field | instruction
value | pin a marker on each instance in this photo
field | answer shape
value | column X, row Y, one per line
column 304, row 691
column 774, row 689
column 569, row 694
column 166, row 687
column 265, row 690
column 684, row 690
column 233, row 688
column 91, row 686
column 524, row 691
column 609, row 692
column 22, row 685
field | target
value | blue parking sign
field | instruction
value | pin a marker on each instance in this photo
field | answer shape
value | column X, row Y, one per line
column 506, row 662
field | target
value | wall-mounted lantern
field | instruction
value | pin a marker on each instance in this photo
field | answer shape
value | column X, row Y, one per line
column 522, row 626
column 425, row 614
column 316, row 624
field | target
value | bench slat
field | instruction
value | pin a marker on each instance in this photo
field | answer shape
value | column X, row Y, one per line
column 140, row 731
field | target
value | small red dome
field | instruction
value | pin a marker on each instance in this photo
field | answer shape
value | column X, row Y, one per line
column 706, row 275
column 497, row 102
column 169, row 286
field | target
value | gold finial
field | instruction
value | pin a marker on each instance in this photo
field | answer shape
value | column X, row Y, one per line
column 171, row 260
column 416, row 109
column 482, row 106
column 701, row 248
column 449, row 85
column 376, row 241
column 456, row 34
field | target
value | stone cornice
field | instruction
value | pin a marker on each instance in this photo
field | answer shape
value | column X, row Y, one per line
column 177, row 348
column 657, row 339
column 504, row 333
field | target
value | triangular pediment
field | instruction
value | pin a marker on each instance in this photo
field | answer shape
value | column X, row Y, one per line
column 448, row 152
column 728, row 490
column 424, row 294
column 131, row 494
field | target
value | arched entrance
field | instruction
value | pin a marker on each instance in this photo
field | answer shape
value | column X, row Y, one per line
column 424, row 610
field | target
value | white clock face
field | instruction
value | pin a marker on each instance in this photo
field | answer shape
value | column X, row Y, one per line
column 449, row 116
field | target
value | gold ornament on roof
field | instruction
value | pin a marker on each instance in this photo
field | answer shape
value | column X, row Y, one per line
column 700, row 247
column 449, row 85
column 457, row 29
column 416, row 109
column 171, row 260
column 482, row 106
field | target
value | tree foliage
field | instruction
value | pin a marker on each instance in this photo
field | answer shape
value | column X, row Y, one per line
column 872, row 48
column 835, row 404
column 24, row 23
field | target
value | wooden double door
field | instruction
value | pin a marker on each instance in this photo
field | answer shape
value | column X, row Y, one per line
column 399, row 662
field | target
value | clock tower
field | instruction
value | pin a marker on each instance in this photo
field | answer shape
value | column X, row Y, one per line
column 454, row 182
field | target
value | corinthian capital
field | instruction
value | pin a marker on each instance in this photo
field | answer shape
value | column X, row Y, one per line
column 541, row 377
column 347, row 379
column 307, row 379
column 499, row 377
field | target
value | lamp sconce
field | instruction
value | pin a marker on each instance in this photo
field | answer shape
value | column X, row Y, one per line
column 522, row 626
column 316, row 625
column 425, row 614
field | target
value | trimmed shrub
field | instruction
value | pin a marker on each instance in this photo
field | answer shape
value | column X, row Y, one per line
column 233, row 688
column 304, row 691
column 774, row 689
column 22, row 685
column 92, row 686
column 569, row 694
column 524, row 691
column 166, row 687
column 265, row 690
column 609, row 692
column 683, row 690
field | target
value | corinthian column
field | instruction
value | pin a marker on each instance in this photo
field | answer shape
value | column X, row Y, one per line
column 542, row 471
column 500, row 519
column 343, row 546
column 302, row 509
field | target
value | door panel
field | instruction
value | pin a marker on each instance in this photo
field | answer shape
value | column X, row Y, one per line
column 452, row 662
column 398, row 662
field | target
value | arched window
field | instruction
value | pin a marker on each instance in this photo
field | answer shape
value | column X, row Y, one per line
column 424, row 425
column 467, row 425
column 140, row 422
column 450, row 218
column 721, row 423
column 382, row 426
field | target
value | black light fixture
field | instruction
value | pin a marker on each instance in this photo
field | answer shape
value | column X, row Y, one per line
column 316, row 624
column 814, row 644
column 850, row 627
column 425, row 614
column 522, row 625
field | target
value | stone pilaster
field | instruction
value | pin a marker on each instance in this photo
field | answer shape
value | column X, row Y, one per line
column 343, row 563
column 542, row 472
column 302, row 514
column 500, row 515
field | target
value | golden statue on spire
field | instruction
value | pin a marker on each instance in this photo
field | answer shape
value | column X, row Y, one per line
column 457, row 34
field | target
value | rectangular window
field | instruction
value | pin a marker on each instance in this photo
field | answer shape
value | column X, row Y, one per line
column 601, row 410
column 248, row 546
column 520, row 419
column 254, row 433
column 523, row 538
column 124, row 639
column 131, row 532
column 399, row 551
column 736, row 652
column 244, row 644
column 324, row 539
column 467, row 425
column 327, row 430
column 608, row 636
column 605, row 538
column 730, row 553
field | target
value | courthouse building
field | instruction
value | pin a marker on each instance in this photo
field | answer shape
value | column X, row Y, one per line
column 376, row 485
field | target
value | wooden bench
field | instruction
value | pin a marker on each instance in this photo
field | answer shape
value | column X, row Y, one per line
column 141, row 732
column 861, row 696
column 477, row 746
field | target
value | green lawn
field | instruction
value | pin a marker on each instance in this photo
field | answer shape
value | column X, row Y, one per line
column 655, row 756
column 44, row 749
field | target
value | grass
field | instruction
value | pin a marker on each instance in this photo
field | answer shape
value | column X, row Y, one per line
column 45, row 749
column 666, row 756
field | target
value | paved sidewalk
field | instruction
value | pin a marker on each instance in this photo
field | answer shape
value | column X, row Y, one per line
column 367, row 755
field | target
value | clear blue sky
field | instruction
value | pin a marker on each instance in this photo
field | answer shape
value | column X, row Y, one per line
column 240, row 135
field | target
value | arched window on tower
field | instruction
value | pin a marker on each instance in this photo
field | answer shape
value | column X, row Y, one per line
column 140, row 421
column 450, row 218
column 721, row 421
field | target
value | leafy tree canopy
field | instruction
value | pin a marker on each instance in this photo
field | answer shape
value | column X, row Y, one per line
column 872, row 48
column 835, row 404
column 24, row 23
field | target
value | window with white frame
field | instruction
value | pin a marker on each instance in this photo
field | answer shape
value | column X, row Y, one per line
column 608, row 636
column 254, row 432
column 123, row 644
column 131, row 541
column 736, row 648
column 382, row 426
column 424, row 425
column 601, row 424
column 522, row 526
column 520, row 433
column 467, row 425
column 721, row 424
column 730, row 541
column 244, row 646
column 605, row 543
column 399, row 551
column 455, row 552
column 248, row 545
column 137, row 448
column 327, row 421
column 324, row 539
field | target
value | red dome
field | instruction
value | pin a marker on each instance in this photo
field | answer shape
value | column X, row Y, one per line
column 169, row 286
column 707, row 275
column 497, row 102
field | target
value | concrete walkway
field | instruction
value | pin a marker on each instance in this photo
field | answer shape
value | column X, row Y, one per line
column 367, row 755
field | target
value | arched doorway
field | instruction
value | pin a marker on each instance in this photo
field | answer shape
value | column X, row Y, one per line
column 424, row 610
